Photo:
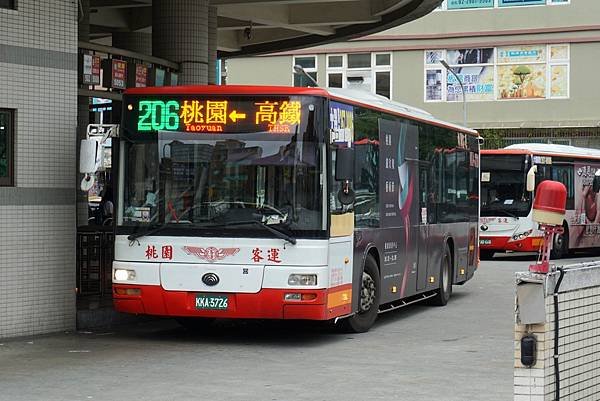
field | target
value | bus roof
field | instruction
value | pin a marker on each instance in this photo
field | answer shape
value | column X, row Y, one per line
column 546, row 149
column 352, row 96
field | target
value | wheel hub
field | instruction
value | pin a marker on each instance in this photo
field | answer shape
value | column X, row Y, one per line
column 367, row 293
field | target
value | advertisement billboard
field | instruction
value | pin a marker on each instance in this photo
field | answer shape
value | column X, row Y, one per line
column 522, row 81
column 478, row 82
column 585, row 229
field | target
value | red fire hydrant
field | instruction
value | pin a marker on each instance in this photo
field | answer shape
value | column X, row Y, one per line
column 549, row 211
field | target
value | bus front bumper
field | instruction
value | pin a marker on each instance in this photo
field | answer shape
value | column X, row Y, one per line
column 529, row 244
column 319, row 304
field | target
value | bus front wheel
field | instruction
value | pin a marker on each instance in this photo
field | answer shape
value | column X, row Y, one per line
column 445, row 280
column 560, row 245
column 368, row 304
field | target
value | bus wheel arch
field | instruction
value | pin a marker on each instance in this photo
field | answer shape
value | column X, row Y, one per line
column 560, row 244
column 446, row 275
column 369, row 295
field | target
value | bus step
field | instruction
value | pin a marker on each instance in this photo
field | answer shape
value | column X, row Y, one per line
column 405, row 302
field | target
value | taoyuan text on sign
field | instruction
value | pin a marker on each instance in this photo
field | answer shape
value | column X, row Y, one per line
column 218, row 115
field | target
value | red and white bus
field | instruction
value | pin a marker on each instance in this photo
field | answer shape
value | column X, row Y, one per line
column 289, row 203
column 506, row 202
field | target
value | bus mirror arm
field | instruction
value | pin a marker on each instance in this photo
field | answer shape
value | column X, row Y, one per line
column 596, row 182
column 88, row 162
column 531, row 178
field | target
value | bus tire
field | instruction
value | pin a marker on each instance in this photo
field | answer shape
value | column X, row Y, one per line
column 368, row 305
column 445, row 280
column 560, row 245
column 195, row 324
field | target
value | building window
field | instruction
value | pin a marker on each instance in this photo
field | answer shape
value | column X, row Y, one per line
column 6, row 147
column 309, row 64
column 502, row 73
column 371, row 72
column 11, row 4
column 483, row 4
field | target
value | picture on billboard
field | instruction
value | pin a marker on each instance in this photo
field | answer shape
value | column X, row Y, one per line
column 585, row 230
column 524, row 81
column 471, row 56
column 559, row 81
column 512, row 3
column 433, row 85
column 478, row 82
column 521, row 54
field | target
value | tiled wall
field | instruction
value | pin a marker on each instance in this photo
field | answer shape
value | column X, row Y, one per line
column 578, row 342
column 38, row 79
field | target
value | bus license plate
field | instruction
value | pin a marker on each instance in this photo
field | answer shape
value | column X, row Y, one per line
column 212, row 302
column 485, row 242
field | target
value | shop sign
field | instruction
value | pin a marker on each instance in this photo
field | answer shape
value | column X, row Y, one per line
column 91, row 70
column 119, row 74
column 141, row 76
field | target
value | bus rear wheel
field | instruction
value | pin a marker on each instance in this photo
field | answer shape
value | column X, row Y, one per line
column 368, row 304
column 445, row 280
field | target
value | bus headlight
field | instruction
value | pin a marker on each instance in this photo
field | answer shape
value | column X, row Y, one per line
column 302, row 279
column 124, row 275
column 522, row 235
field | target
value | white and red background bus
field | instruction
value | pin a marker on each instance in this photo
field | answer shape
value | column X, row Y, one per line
column 506, row 205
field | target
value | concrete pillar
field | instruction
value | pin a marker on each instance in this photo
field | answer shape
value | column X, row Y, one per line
column 180, row 34
column 212, row 45
column 83, row 112
column 138, row 42
column 83, row 26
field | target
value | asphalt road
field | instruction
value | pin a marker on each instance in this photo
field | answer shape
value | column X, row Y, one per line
column 463, row 351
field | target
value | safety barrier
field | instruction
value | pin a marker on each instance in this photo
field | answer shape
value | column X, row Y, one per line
column 557, row 334
column 94, row 262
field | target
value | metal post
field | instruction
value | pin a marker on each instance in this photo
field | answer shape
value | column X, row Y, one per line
column 462, row 89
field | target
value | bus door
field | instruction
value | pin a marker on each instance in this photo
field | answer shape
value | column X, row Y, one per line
column 423, row 231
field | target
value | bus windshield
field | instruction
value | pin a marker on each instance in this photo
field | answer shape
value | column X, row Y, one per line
column 217, row 177
column 503, row 186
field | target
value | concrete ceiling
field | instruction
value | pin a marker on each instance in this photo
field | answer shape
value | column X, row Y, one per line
column 263, row 26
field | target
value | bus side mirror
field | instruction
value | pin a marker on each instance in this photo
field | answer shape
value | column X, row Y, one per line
column 344, row 171
column 531, row 178
column 88, row 162
column 344, row 164
column 596, row 182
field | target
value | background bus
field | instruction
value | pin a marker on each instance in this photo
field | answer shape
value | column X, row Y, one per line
column 506, row 205
column 289, row 203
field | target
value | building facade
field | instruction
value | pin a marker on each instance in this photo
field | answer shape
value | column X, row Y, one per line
column 38, row 120
column 527, row 68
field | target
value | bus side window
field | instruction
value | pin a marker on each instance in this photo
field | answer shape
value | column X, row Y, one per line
column 565, row 175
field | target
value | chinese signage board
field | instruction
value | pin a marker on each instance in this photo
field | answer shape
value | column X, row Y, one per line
column 115, row 74
column 91, row 70
column 119, row 74
column 462, row 4
column 341, row 123
column 141, row 76
column 278, row 115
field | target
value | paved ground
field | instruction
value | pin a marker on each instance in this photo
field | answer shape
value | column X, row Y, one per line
column 461, row 352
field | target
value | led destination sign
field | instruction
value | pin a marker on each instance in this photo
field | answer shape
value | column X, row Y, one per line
column 277, row 115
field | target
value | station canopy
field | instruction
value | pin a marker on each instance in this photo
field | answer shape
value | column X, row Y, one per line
column 263, row 26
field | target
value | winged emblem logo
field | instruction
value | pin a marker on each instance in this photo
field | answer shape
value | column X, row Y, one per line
column 210, row 254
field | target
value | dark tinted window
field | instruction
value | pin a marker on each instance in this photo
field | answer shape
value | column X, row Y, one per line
column 8, row 4
column 366, row 181
column 6, row 147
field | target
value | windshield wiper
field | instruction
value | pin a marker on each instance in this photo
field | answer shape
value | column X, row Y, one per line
column 151, row 230
column 277, row 232
column 490, row 210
